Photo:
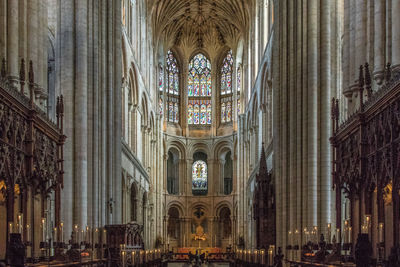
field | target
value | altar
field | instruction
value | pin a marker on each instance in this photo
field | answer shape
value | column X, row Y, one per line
column 194, row 250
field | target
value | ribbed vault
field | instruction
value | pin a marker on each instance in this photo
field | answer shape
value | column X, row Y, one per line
column 199, row 23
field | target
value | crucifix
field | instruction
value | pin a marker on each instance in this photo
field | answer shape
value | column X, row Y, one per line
column 198, row 213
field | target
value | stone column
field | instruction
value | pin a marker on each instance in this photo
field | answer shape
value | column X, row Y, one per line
column 324, row 157
column 221, row 175
column 3, row 29
column 12, row 40
column 117, row 98
column 346, row 52
column 312, row 133
column 188, row 178
column 65, row 84
column 379, row 39
column 396, row 35
column 96, row 112
column 80, row 113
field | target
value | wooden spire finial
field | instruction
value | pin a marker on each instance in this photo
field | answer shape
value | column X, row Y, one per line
column 388, row 72
column 368, row 80
column 22, row 70
column 31, row 74
column 3, row 68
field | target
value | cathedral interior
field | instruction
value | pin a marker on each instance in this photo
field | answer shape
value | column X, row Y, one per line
column 200, row 133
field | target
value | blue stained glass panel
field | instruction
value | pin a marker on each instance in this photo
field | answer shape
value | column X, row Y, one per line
column 199, row 175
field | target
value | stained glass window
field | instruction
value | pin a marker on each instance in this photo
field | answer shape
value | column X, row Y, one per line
column 190, row 113
column 226, row 109
column 161, row 105
column 239, row 85
column 226, row 74
column 199, row 175
column 199, row 90
column 172, row 88
column 226, row 88
column 161, row 89
column 199, row 112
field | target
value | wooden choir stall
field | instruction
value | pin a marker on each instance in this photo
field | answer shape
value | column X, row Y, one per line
column 31, row 171
column 366, row 171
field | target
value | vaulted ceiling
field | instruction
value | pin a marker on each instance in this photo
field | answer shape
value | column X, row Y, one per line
column 199, row 23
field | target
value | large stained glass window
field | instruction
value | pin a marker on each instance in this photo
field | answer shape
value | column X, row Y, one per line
column 199, row 175
column 226, row 88
column 199, row 91
column 171, row 89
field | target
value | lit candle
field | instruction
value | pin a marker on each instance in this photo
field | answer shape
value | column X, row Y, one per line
column 10, row 228
column 350, row 236
column 315, row 234
column 43, row 229
column 104, row 239
column 20, row 225
column 133, row 257
column 338, row 236
column 55, row 234
column 28, row 233
column 96, row 236
column 262, row 256
column 123, row 258
column 87, row 235
column 270, row 257
column 62, row 232
column 380, row 232
column 76, row 233
column 368, row 224
column 329, row 233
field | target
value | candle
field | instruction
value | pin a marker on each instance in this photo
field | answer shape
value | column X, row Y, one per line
column 20, row 225
column 123, row 258
column 380, row 233
column 262, row 256
column 28, row 233
column 338, row 236
column 43, row 229
column 10, row 228
column 76, row 233
column 55, row 234
column 62, row 232
column 350, row 236
column 184, row 240
column 104, row 238
column 133, row 257
column 270, row 257
column 368, row 224
column 329, row 233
